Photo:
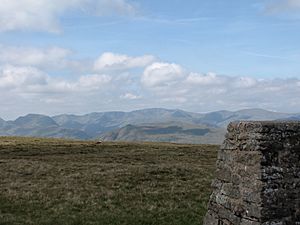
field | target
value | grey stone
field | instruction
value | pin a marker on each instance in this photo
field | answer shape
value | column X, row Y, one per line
column 258, row 175
column 249, row 222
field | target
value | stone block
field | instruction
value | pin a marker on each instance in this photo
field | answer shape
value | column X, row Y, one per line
column 258, row 175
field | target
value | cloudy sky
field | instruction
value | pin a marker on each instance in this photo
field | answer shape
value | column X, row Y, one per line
column 80, row 56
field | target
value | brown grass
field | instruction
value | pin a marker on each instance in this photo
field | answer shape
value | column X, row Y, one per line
column 48, row 181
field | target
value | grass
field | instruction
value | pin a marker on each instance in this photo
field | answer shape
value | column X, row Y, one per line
column 48, row 181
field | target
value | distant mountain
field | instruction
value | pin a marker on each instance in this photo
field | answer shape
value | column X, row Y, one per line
column 35, row 120
column 139, row 125
column 96, row 123
column 2, row 122
column 167, row 132
column 92, row 124
column 294, row 117
column 223, row 118
column 39, row 126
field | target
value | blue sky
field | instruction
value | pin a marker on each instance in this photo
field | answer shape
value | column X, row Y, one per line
column 78, row 56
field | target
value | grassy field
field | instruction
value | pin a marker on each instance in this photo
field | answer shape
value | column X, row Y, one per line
column 48, row 181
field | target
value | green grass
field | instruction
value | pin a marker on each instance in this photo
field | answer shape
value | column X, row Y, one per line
column 48, row 181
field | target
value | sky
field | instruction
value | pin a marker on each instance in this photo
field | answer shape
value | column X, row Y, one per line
column 82, row 56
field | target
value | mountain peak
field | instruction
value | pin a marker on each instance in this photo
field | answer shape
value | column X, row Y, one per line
column 33, row 120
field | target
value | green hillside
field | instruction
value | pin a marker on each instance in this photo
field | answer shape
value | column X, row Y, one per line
column 175, row 132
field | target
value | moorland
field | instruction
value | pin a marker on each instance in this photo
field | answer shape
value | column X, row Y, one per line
column 55, row 181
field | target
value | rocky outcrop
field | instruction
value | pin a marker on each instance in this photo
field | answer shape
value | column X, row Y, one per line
column 258, row 176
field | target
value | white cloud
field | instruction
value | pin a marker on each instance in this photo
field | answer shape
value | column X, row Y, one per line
column 204, row 79
column 162, row 74
column 20, row 77
column 180, row 100
column 54, row 57
column 112, row 61
column 44, row 15
column 49, row 59
column 85, row 84
column 159, row 85
column 92, row 82
column 245, row 82
column 212, row 79
column 130, row 96
column 215, row 92
column 30, row 79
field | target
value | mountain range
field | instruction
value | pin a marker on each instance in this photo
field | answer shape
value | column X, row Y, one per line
column 157, row 124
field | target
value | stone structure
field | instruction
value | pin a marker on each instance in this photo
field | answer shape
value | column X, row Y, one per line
column 258, row 176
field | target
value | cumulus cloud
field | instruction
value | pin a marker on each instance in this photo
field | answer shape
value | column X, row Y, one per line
column 30, row 79
column 160, row 84
column 49, row 58
column 162, row 74
column 43, row 15
column 92, row 82
column 212, row 79
column 21, row 77
column 207, row 92
column 21, row 56
column 112, row 61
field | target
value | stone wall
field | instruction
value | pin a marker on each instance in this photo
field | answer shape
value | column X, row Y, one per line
column 258, row 175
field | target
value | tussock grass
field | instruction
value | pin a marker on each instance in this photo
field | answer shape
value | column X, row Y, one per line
column 49, row 181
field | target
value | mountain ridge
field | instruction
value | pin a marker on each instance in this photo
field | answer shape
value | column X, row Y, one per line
column 104, row 124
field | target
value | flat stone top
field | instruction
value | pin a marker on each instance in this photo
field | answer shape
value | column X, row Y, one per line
column 264, row 126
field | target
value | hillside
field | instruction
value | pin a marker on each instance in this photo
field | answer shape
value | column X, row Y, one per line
column 167, row 132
